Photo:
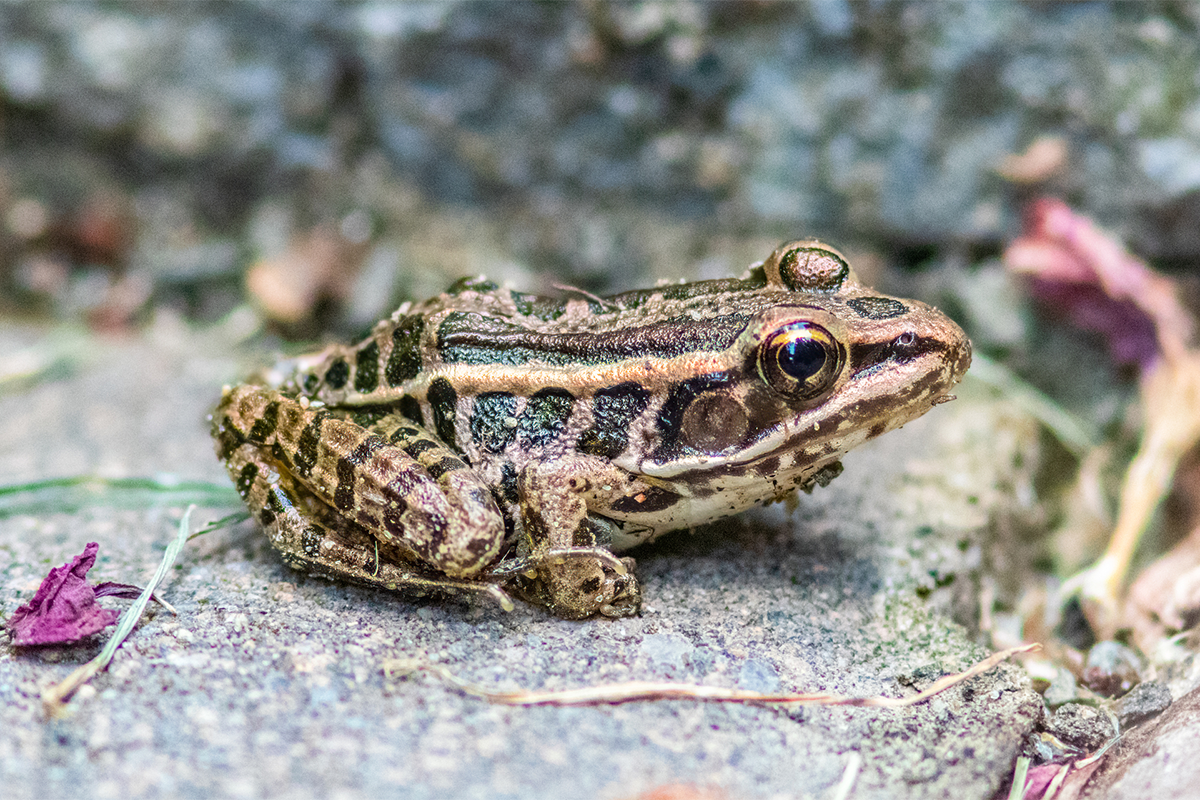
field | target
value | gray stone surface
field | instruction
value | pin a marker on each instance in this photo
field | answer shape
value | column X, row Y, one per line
column 271, row 684
column 1155, row 760
column 1147, row 700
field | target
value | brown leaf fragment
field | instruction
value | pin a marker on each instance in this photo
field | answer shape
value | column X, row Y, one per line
column 1059, row 781
column 63, row 609
column 1165, row 597
column 1044, row 780
column 1045, row 157
column 320, row 264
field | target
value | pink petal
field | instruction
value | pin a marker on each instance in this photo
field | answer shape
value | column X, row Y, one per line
column 64, row 607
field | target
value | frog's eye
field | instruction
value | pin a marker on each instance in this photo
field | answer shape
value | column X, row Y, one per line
column 801, row 360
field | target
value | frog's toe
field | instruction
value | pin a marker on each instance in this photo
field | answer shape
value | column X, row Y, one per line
column 579, row 584
column 608, row 589
column 625, row 596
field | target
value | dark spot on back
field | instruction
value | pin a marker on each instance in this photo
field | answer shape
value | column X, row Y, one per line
column 343, row 495
column 877, row 307
column 264, row 427
column 614, row 409
column 444, row 400
column 489, row 421
column 545, row 416
column 306, row 448
column 405, row 360
column 337, row 374
column 366, row 368
column 410, row 409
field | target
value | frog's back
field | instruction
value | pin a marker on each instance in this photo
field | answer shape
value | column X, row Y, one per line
column 692, row 385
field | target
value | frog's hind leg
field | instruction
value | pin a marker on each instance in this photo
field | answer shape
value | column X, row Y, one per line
column 313, row 539
column 406, row 489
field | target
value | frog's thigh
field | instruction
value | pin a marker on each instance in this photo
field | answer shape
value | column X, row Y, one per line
column 320, row 543
column 407, row 488
column 449, row 515
column 575, row 578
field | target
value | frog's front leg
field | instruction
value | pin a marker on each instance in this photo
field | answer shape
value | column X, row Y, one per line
column 574, row 574
column 321, row 483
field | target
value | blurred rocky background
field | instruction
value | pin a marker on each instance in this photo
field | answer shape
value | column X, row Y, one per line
column 329, row 159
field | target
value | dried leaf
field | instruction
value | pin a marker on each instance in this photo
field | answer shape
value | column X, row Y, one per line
column 63, row 609
column 1076, row 267
column 319, row 264
column 1087, row 274
column 1045, row 157
column 55, row 697
column 1165, row 598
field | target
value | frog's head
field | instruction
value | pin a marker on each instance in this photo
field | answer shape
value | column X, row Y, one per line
column 824, row 364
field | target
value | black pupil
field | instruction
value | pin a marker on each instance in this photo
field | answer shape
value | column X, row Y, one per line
column 801, row 358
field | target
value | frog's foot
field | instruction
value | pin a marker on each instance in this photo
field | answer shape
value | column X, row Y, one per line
column 581, row 582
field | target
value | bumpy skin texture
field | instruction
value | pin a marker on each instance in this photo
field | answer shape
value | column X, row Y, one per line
column 488, row 440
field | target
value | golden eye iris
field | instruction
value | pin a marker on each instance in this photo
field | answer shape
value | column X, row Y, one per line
column 801, row 360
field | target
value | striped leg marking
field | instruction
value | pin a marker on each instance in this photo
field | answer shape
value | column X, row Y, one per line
column 322, row 486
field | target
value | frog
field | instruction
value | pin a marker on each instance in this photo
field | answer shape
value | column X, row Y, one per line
column 494, row 442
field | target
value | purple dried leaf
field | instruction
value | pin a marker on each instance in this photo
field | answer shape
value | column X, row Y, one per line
column 1086, row 274
column 63, row 609
column 127, row 591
